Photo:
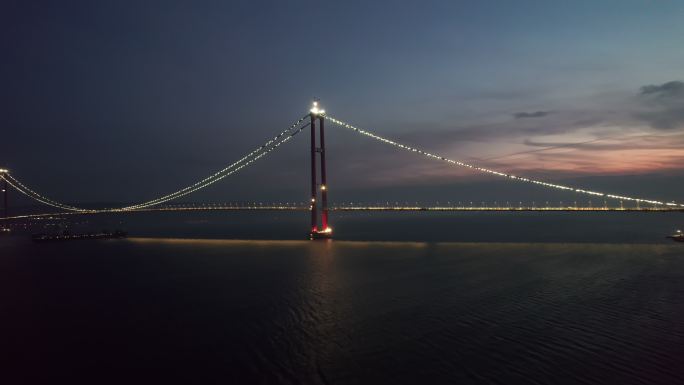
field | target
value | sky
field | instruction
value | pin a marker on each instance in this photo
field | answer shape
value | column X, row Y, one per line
column 123, row 101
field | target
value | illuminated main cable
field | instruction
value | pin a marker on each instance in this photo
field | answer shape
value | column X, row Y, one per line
column 217, row 174
column 209, row 181
column 241, row 163
column 494, row 172
column 34, row 195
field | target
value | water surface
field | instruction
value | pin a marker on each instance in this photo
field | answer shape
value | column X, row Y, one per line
column 170, row 310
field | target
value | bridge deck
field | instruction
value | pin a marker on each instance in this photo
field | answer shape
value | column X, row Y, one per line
column 366, row 208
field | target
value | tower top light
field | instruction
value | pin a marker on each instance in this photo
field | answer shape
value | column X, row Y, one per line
column 315, row 110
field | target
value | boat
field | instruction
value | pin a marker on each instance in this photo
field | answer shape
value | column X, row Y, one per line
column 678, row 236
column 118, row 234
column 321, row 234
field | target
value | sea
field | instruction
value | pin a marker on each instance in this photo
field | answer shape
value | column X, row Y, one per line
column 395, row 298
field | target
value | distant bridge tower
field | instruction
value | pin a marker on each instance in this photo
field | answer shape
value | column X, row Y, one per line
column 325, row 231
column 5, row 194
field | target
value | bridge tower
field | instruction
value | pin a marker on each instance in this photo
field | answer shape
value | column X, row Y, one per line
column 5, row 194
column 325, row 231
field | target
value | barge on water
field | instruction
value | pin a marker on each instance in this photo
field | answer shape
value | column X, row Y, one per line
column 678, row 236
column 118, row 234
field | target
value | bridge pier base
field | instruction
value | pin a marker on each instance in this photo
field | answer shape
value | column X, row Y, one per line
column 325, row 231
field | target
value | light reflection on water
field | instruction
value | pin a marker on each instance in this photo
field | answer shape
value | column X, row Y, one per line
column 344, row 311
column 534, row 227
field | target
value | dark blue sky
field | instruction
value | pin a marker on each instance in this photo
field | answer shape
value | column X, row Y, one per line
column 123, row 101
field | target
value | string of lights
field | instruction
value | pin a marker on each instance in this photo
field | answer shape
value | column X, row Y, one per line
column 497, row 173
column 218, row 175
column 34, row 195
column 208, row 181
column 283, row 137
column 269, row 206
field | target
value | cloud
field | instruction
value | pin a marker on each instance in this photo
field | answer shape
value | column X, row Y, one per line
column 665, row 90
column 626, row 131
column 664, row 105
column 536, row 114
column 614, row 143
column 450, row 134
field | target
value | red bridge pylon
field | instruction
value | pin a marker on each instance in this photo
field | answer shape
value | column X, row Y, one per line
column 325, row 231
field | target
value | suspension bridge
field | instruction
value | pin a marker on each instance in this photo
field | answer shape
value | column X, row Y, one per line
column 319, row 208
